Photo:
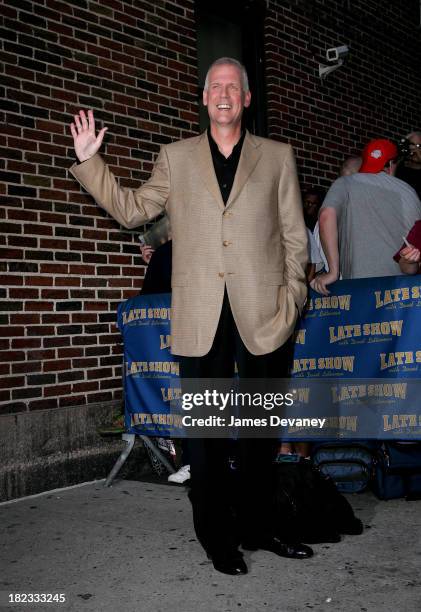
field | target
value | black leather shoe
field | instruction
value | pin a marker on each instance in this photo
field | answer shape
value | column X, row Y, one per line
column 229, row 564
column 282, row 549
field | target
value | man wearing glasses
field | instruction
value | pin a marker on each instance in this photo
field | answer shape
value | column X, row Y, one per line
column 410, row 169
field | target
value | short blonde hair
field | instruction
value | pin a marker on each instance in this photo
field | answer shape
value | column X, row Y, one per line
column 230, row 62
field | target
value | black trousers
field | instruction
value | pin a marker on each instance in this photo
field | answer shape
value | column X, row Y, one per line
column 230, row 507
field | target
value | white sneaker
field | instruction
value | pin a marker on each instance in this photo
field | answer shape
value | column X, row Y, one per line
column 181, row 476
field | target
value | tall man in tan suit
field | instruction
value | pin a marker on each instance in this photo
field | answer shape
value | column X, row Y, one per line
column 238, row 283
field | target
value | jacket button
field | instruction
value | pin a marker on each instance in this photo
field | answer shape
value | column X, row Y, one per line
column 221, row 274
column 225, row 243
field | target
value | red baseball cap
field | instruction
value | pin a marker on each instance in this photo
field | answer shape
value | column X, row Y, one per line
column 376, row 154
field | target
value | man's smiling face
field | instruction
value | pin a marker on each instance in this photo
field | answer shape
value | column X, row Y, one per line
column 225, row 97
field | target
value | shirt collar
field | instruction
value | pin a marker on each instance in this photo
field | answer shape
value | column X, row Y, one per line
column 214, row 147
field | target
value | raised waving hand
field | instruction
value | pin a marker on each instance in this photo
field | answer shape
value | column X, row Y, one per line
column 85, row 140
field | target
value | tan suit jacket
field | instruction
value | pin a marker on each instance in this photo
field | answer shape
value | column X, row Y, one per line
column 256, row 245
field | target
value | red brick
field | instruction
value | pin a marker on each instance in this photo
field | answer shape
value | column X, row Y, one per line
column 26, row 294
column 12, row 355
column 52, row 194
column 52, row 218
column 69, row 352
column 38, row 281
column 13, row 330
column 26, row 367
column 40, row 355
column 57, row 390
column 11, row 254
column 85, row 386
column 26, row 343
column 55, row 366
column 111, row 383
column 83, row 317
column 49, row 126
column 99, row 373
column 55, row 318
column 120, row 282
column 97, row 306
column 4, row 397
column 54, row 268
column 5, row 369
column 9, row 279
column 81, row 269
column 21, row 215
column 56, row 341
column 100, row 397
column 54, row 294
column 44, row 404
column 67, row 281
column 120, row 259
column 12, row 382
column 86, row 363
column 25, row 319
column 39, row 306
column 41, row 330
column 54, row 244
column 72, row 400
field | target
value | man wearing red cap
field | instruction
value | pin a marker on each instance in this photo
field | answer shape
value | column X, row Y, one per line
column 364, row 217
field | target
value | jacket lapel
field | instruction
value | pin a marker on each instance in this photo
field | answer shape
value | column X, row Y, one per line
column 205, row 170
column 250, row 155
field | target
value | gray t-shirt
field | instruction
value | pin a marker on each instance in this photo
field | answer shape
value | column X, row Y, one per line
column 374, row 211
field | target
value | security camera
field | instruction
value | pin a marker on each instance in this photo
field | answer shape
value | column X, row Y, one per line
column 336, row 53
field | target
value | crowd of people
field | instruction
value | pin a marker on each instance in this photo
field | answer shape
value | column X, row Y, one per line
column 368, row 212
column 238, row 266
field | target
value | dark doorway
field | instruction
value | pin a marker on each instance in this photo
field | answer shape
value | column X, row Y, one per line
column 234, row 28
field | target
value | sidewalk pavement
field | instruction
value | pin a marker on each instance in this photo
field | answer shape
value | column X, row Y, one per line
column 132, row 548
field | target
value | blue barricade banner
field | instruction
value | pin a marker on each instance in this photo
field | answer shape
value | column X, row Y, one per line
column 150, row 372
column 365, row 329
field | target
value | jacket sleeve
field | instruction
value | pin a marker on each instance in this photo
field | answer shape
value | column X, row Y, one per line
column 293, row 230
column 130, row 207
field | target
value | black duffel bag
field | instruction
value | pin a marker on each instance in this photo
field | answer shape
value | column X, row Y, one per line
column 307, row 507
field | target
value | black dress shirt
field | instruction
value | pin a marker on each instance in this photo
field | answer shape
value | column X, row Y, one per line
column 225, row 167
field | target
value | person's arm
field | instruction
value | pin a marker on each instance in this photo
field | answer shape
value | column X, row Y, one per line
column 410, row 258
column 129, row 207
column 328, row 227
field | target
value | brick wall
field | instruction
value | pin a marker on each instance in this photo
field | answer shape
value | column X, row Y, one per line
column 64, row 263
column 375, row 94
